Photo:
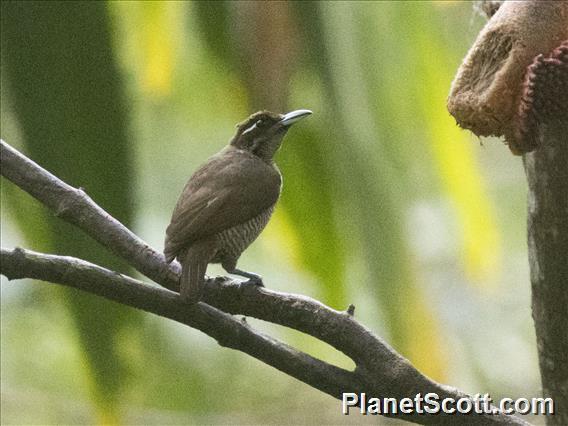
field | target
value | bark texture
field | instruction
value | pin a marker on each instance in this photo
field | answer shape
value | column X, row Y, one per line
column 547, row 174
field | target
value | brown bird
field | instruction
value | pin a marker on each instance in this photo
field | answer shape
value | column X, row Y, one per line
column 228, row 202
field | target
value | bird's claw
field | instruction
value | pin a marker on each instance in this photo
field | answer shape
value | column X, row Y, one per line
column 252, row 282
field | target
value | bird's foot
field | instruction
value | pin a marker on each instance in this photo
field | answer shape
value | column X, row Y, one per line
column 252, row 282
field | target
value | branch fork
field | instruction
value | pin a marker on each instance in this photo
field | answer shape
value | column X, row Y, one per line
column 379, row 369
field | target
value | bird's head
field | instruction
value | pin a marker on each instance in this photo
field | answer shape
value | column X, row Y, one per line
column 262, row 133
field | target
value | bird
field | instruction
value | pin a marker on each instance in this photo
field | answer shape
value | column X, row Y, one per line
column 227, row 202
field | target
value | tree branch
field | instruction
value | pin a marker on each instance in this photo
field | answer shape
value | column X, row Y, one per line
column 380, row 371
column 227, row 330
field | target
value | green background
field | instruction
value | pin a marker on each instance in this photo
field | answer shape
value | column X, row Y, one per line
column 387, row 204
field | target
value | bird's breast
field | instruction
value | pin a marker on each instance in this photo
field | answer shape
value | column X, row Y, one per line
column 233, row 241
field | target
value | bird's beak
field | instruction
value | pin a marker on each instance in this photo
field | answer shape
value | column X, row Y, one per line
column 292, row 117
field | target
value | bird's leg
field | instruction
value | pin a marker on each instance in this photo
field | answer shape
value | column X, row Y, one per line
column 230, row 265
column 253, row 279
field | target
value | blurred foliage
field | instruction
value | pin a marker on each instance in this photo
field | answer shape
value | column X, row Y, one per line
column 68, row 98
column 379, row 147
column 453, row 156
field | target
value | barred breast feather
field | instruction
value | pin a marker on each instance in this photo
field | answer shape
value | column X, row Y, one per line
column 233, row 241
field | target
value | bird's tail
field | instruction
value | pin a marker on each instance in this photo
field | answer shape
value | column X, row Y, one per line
column 192, row 277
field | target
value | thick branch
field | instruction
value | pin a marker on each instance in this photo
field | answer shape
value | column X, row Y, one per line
column 547, row 174
column 514, row 82
column 380, row 370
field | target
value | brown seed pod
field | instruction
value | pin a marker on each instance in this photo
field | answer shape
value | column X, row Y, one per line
column 489, row 85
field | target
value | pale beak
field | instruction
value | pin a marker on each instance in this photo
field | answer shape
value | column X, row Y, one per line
column 294, row 116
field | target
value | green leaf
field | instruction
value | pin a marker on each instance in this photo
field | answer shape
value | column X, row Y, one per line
column 67, row 94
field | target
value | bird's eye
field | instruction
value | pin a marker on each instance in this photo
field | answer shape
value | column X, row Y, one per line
column 260, row 123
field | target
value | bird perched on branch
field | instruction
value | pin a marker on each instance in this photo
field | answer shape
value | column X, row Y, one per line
column 228, row 202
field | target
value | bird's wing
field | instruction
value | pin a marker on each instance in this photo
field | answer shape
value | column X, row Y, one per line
column 231, row 188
